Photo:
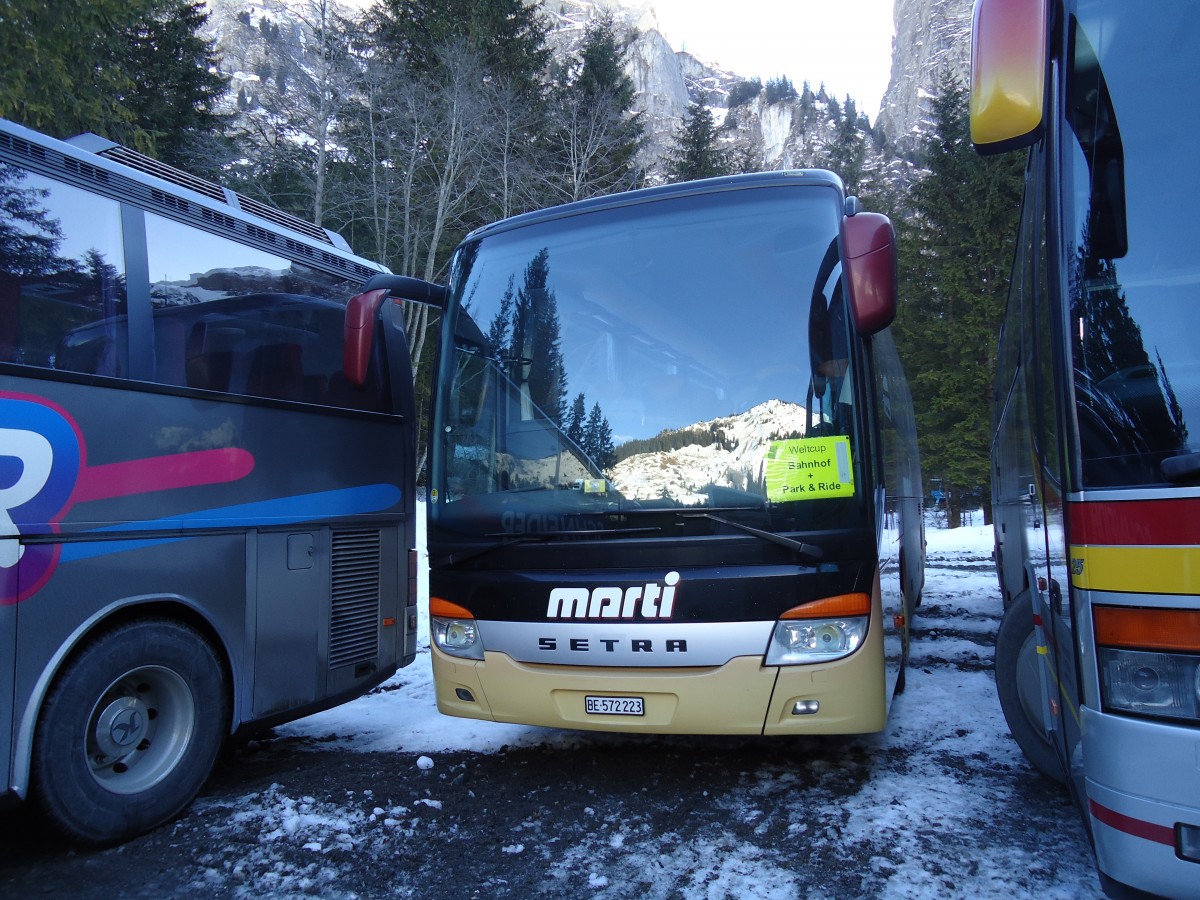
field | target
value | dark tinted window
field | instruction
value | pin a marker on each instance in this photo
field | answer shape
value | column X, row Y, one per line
column 1131, row 240
column 237, row 319
column 61, row 268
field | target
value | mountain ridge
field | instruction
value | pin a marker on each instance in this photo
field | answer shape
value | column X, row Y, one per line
column 734, row 458
column 932, row 36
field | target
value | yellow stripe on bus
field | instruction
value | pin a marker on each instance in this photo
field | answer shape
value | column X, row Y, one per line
column 1145, row 570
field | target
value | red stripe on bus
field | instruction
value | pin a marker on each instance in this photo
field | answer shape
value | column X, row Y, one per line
column 1160, row 834
column 161, row 473
column 1133, row 522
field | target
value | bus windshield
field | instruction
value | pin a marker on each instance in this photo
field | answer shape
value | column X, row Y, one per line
column 1133, row 272
column 688, row 353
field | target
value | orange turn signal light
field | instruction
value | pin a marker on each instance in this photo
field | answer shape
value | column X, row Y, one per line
column 1148, row 629
column 832, row 607
column 444, row 609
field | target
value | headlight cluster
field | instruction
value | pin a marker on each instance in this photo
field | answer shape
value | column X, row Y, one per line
column 1149, row 661
column 454, row 630
column 820, row 631
column 1151, row 684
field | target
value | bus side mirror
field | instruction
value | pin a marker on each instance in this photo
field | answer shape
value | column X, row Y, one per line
column 869, row 270
column 409, row 289
column 359, row 335
column 1008, row 73
column 361, row 312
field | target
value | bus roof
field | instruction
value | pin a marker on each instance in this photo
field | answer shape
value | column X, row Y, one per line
column 788, row 177
column 95, row 162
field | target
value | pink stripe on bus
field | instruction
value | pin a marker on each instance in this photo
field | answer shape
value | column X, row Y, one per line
column 161, row 473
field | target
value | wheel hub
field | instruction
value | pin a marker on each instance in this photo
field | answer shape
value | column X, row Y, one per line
column 121, row 726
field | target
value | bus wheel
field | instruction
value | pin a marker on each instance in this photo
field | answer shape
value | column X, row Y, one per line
column 130, row 731
column 1019, row 687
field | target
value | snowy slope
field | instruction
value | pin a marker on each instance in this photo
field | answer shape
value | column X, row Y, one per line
column 735, row 460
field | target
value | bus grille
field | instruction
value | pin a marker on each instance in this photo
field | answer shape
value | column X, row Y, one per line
column 354, row 614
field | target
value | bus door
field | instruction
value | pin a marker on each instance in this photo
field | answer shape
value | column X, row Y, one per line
column 1049, row 576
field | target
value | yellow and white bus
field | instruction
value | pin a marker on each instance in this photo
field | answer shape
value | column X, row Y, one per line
column 674, row 481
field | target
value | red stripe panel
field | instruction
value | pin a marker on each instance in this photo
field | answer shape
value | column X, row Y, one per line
column 162, row 473
column 1133, row 522
column 1160, row 834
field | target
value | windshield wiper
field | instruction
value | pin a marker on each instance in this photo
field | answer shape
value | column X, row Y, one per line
column 811, row 553
column 452, row 559
column 674, row 510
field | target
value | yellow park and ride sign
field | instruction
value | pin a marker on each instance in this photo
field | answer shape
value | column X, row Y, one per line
column 809, row 469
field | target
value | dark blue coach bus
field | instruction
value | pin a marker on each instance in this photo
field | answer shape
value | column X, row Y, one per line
column 206, row 470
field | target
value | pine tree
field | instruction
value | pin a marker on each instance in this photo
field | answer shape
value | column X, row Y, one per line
column 956, row 251
column 779, row 89
column 846, row 153
column 501, row 328
column 536, row 337
column 697, row 152
column 808, row 105
column 596, row 133
column 134, row 71
column 577, row 419
column 175, row 70
column 508, row 36
column 57, row 75
column 30, row 236
column 598, row 439
column 743, row 92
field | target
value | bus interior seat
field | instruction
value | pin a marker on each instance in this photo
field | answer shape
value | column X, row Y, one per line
column 211, row 356
column 277, row 370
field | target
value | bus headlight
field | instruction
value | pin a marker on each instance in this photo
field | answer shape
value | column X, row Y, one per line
column 454, row 630
column 820, row 631
column 1151, row 684
column 1149, row 660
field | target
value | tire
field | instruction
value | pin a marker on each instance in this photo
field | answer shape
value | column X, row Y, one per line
column 129, row 732
column 1019, row 688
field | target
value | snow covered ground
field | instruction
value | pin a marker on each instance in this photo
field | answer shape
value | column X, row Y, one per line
column 942, row 804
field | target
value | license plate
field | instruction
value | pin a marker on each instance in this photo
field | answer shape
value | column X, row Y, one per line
column 614, row 706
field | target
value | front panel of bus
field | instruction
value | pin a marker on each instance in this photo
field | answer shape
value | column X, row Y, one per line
column 178, row 440
column 1100, row 327
column 652, row 504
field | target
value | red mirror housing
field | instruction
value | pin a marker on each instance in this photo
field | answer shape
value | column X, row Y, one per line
column 1008, row 73
column 869, row 269
column 359, row 334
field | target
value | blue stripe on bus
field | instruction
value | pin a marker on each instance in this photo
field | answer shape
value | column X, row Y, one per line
column 284, row 511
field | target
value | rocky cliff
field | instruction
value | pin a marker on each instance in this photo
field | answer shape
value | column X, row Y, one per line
column 931, row 36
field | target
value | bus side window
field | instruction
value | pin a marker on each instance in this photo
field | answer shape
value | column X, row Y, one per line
column 62, row 276
column 239, row 320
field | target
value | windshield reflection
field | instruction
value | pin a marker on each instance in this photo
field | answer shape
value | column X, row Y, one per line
column 694, row 356
column 1132, row 269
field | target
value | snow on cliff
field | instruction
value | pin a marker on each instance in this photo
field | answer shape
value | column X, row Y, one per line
column 733, row 458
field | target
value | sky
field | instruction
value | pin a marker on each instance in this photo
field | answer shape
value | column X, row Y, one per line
column 847, row 44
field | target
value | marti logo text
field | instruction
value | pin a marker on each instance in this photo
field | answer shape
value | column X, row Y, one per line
column 651, row 601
